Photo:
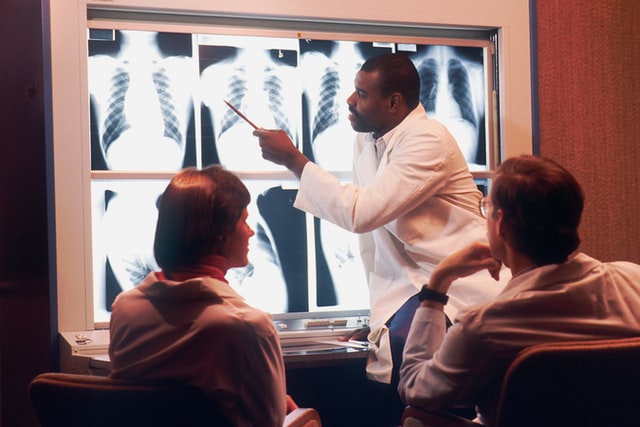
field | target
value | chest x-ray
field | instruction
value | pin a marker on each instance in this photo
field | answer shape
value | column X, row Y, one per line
column 452, row 91
column 157, row 104
column 141, row 85
column 259, row 78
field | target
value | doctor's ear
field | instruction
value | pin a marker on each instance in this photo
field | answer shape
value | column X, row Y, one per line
column 395, row 101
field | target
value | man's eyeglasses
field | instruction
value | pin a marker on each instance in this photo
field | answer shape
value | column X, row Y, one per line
column 484, row 207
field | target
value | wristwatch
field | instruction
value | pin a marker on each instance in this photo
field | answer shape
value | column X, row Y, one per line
column 427, row 294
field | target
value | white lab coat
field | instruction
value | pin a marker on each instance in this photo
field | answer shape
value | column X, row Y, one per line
column 418, row 206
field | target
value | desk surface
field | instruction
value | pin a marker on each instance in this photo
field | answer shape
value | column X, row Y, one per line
column 87, row 352
column 310, row 359
column 293, row 358
column 304, row 342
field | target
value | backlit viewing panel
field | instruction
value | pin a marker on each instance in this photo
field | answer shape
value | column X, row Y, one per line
column 156, row 103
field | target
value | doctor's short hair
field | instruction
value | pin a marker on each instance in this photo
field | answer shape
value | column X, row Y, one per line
column 397, row 73
column 196, row 213
column 542, row 205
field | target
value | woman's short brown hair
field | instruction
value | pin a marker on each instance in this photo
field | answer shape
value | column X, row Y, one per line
column 196, row 212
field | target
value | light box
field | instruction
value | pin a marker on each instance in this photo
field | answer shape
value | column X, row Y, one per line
column 138, row 91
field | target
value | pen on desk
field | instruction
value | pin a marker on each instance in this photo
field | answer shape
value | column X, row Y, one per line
column 349, row 344
column 238, row 112
column 358, row 344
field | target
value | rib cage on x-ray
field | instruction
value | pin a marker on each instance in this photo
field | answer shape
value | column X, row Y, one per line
column 273, row 88
column 260, row 81
column 452, row 91
column 167, row 107
column 237, row 89
column 237, row 93
column 461, row 89
column 141, row 100
column 115, row 123
column 459, row 85
column 327, row 113
column 124, row 270
column 428, row 71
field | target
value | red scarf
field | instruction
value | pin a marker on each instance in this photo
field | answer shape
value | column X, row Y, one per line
column 214, row 266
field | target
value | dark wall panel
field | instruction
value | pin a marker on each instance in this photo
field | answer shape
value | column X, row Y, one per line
column 25, row 348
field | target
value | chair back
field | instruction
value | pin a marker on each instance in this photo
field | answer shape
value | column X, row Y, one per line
column 96, row 401
column 562, row 384
column 592, row 383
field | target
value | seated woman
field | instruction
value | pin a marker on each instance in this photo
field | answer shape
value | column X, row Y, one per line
column 185, row 323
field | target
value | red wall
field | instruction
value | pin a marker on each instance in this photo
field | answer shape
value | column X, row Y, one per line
column 589, row 95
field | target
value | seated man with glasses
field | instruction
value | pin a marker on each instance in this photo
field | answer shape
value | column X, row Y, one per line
column 555, row 293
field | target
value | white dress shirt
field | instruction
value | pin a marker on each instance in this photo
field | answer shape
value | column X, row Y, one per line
column 582, row 299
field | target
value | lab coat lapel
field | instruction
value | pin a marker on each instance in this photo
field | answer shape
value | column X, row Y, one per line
column 365, row 165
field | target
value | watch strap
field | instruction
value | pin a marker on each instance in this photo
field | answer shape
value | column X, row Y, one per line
column 427, row 294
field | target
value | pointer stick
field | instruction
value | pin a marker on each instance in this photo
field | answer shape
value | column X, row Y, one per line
column 238, row 112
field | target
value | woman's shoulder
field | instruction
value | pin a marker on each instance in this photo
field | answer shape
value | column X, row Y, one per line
column 234, row 314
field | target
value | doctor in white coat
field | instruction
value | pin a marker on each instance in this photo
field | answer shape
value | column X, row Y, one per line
column 413, row 201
